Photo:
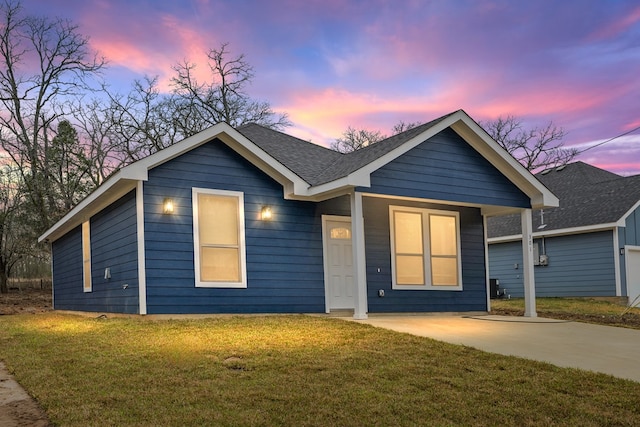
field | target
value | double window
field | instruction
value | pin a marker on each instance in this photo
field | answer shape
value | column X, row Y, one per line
column 425, row 246
column 218, row 226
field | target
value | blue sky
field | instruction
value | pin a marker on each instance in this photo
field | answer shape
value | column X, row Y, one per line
column 332, row 64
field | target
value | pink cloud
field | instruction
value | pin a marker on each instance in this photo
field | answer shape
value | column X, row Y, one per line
column 619, row 26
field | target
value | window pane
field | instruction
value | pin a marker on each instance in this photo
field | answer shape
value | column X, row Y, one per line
column 408, row 232
column 444, row 271
column 219, row 265
column 340, row 233
column 409, row 270
column 218, row 219
column 443, row 235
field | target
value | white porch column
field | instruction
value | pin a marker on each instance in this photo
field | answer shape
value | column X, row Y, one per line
column 527, row 264
column 360, row 272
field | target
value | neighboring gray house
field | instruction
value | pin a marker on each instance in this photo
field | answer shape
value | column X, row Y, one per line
column 251, row 220
column 588, row 246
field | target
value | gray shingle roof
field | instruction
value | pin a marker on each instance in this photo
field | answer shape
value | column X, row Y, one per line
column 318, row 165
column 588, row 196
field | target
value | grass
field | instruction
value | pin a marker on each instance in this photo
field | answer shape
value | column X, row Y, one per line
column 289, row 370
column 600, row 311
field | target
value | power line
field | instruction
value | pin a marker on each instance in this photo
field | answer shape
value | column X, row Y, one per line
column 609, row 140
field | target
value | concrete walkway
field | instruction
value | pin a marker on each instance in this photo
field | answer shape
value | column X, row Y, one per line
column 610, row 350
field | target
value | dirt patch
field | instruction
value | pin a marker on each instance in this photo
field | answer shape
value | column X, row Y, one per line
column 27, row 300
column 629, row 320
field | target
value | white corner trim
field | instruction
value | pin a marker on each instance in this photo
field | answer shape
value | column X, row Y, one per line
column 142, row 265
column 616, row 262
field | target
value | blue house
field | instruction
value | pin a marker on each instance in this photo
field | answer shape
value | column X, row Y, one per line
column 251, row 220
column 588, row 246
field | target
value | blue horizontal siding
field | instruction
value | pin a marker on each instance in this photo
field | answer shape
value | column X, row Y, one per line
column 284, row 256
column 445, row 167
column 580, row 265
column 113, row 245
column 378, row 249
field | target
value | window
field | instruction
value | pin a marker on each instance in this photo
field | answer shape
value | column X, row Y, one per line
column 86, row 257
column 218, row 227
column 425, row 248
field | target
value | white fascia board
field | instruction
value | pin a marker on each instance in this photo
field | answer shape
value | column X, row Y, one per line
column 126, row 178
column 477, row 137
column 407, row 146
column 558, row 232
column 263, row 161
column 474, row 135
column 114, row 188
column 622, row 222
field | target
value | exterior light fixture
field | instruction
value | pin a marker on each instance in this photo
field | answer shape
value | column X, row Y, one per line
column 266, row 213
column 167, row 206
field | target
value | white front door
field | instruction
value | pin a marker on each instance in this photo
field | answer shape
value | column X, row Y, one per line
column 338, row 263
column 632, row 260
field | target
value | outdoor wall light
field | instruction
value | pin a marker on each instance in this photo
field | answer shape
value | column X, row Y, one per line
column 167, row 206
column 266, row 213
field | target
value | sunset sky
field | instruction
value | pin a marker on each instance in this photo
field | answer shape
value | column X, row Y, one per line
column 369, row 64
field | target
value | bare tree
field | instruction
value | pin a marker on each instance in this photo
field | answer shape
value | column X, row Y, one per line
column 224, row 97
column 354, row 139
column 96, row 128
column 44, row 62
column 536, row 148
column 16, row 241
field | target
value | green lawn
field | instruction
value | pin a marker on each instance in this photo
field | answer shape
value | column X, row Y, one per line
column 289, row 370
column 600, row 311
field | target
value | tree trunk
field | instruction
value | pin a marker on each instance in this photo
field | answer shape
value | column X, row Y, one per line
column 4, row 288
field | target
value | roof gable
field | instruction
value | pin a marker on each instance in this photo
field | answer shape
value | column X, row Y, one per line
column 589, row 197
column 308, row 171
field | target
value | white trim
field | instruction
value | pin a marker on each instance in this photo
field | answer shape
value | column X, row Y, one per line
column 241, row 238
column 522, row 178
column 142, row 263
column 295, row 187
column 486, row 262
column 325, row 255
column 616, row 262
column 622, row 221
column 528, row 274
column 428, row 286
column 126, row 178
column 627, row 249
column 555, row 233
column 86, row 248
column 359, row 258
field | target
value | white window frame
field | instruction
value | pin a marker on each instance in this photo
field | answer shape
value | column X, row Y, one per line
column 427, row 249
column 241, row 239
column 87, row 285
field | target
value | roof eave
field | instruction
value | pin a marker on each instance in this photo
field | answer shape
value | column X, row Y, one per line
column 127, row 178
column 540, row 196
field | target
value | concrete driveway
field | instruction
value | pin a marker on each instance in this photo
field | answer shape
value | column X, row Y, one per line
column 606, row 349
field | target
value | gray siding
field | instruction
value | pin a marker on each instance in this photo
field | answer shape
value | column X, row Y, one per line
column 113, row 245
column 579, row 266
column 284, row 256
column 445, row 167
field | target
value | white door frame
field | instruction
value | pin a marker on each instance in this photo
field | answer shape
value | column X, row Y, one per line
column 325, row 255
column 627, row 267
